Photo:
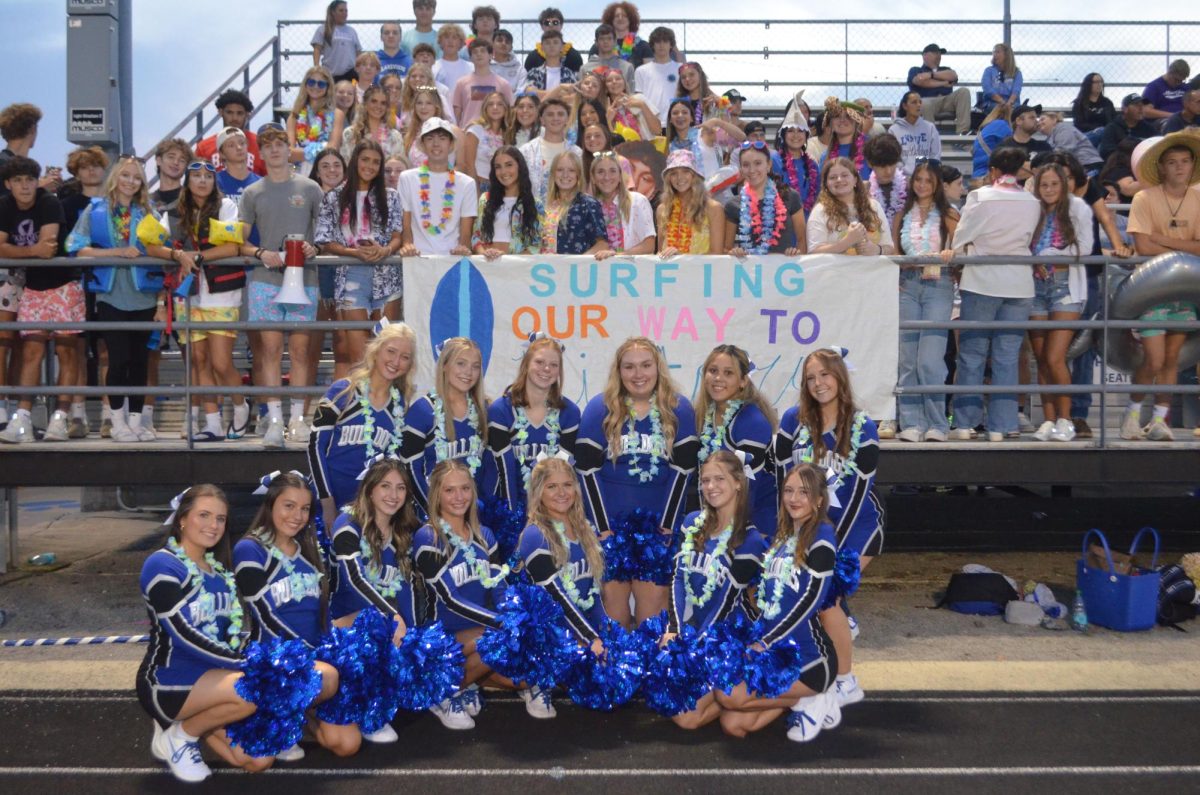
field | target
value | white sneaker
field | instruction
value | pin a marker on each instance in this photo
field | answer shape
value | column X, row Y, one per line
column 1023, row 423
column 381, row 736
column 57, row 430
column 1044, row 430
column 473, row 700
column 182, row 756
column 833, row 718
column 887, row 429
column 1064, row 430
column 537, row 703
column 144, row 433
column 1131, row 424
column 273, row 436
column 1159, row 431
column 298, row 431
column 156, row 741
column 846, row 690
column 123, row 433
column 853, row 622
column 293, row 754
column 909, row 435
column 934, row 435
column 453, row 714
column 962, row 434
column 19, row 431
column 995, row 436
column 807, row 718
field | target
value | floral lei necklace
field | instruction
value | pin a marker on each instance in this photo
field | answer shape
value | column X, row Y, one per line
column 481, row 568
column 208, row 600
column 917, row 235
column 364, row 402
column 310, row 125
column 679, row 232
column 760, row 221
column 374, row 571
column 770, row 607
column 804, row 443
column 899, row 193
column 612, row 224
column 441, row 446
column 447, row 202
column 520, row 433
column 297, row 582
column 625, row 47
column 713, row 439
column 710, row 568
column 633, row 438
column 568, row 580
column 811, row 180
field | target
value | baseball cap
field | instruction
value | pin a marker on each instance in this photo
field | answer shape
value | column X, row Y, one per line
column 433, row 124
column 226, row 134
column 733, row 95
column 933, row 48
column 1132, row 99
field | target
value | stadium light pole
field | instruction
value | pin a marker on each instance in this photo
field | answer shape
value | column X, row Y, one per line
column 1008, row 22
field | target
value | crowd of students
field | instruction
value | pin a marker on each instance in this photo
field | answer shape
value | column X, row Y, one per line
column 443, row 143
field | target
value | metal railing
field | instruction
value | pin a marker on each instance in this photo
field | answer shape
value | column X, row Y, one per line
column 187, row 389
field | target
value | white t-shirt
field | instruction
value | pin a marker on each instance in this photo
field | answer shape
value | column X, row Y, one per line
column 640, row 223
column 465, row 204
column 502, row 224
column 658, row 82
column 447, row 73
column 489, row 142
column 819, row 232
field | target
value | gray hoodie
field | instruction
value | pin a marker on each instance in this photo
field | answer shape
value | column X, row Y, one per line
column 1067, row 138
column 916, row 140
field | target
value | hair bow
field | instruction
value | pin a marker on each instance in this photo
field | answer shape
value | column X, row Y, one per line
column 534, row 336
column 175, row 506
column 438, row 348
column 831, row 481
column 372, row 461
column 746, row 470
column 561, row 453
column 265, row 481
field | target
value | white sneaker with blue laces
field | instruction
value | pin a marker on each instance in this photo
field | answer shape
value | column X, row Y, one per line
column 181, row 753
column 537, row 703
column 453, row 714
column 473, row 700
column 847, row 691
column 807, row 718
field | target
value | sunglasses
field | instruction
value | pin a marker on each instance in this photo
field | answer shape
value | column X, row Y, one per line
column 196, row 165
column 313, row 82
column 759, row 145
column 552, row 23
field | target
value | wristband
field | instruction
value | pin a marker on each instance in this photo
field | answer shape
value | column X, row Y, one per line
column 258, row 253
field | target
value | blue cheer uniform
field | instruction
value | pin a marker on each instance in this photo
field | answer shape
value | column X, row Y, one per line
column 419, row 448
column 749, row 431
column 514, row 459
column 337, row 448
column 735, row 571
column 461, row 601
column 360, row 581
column 284, row 605
column 584, row 623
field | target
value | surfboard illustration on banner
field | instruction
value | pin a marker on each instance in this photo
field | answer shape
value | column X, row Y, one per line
column 462, row 307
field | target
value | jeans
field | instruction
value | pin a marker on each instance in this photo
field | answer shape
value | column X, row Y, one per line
column 923, row 353
column 1083, row 366
column 1005, row 348
column 1094, row 135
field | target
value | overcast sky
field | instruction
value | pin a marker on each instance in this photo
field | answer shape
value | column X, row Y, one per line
column 182, row 50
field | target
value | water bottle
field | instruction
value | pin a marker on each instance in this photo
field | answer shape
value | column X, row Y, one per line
column 1079, row 619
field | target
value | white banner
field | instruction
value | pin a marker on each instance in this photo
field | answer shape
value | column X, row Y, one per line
column 777, row 308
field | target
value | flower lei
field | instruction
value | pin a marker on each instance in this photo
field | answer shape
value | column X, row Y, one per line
column 364, row 402
column 208, row 600
column 712, row 440
column 625, row 47
column 568, row 580
column 554, row 214
column 612, row 224
column 679, row 232
column 481, row 568
column 755, row 218
column 899, row 193
column 710, row 568
column 441, row 446
column 520, row 433
column 857, row 146
column 374, row 572
column 921, row 237
column 804, row 442
column 447, row 202
column 770, row 606
column 811, row 178
column 296, row 581
column 310, row 126
column 634, row 438
column 122, row 224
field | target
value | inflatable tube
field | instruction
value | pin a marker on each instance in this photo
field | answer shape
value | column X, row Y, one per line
column 1168, row 277
column 1083, row 340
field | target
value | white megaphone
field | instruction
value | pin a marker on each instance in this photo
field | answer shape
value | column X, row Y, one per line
column 292, row 291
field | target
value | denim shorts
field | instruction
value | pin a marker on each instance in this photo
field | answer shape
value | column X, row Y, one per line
column 354, row 289
column 1053, row 295
column 325, row 276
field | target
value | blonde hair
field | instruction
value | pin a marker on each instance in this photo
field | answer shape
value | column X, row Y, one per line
column 695, row 209
column 368, row 57
column 666, row 397
column 741, row 501
column 813, row 479
column 359, row 130
column 1010, row 60
column 450, row 29
column 408, row 90
column 436, row 476
column 451, row 348
column 141, row 198
column 621, row 194
column 516, row 390
column 483, row 121
column 585, row 533
column 414, row 122
column 361, row 373
column 553, row 193
column 748, row 394
column 321, row 73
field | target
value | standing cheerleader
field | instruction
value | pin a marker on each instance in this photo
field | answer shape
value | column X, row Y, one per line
column 448, row 422
column 796, row 572
column 456, row 556
column 720, row 557
column 763, row 218
column 689, row 221
column 637, row 446
column 361, row 416
column 827, row 430
column 732, row 415
column 279, row 570
column 371, row 542
column 187, row 679
column 530, row 418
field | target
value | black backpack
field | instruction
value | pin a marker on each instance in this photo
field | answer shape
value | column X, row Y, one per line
column 1176, row 597
column 984, row 594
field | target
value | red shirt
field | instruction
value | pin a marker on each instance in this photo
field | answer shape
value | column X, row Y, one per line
column 207, row 150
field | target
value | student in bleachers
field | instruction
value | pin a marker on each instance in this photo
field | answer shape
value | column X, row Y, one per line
column 524, row 125
column 1131, row 123
column 1001, row 80
column 450, row 68
column 1026, row 120
column 471, row 90
column 1092, row 111
column 791, row 162
column 888, row 184
column 1164, row 94
column 764, row 218
column 552, row 71
column 1063, row 137
column 573, row 222
column 846, row 220
column 504, row 63
column 393, row 58
column 19, row 128
column 509, row 217
column 235, row 108
column 605, row 56
column 938, row 88
column 233, row 152
column 314, row 123
column 699, row 138
column 872, row 127
column 918, row 136
column 171, row 158
column 1189, row 115
column 624, row 19
column 845, row 122
column 345, row 99
column 367, row 66
column 628, row 217
column 693, row 86
column 419, row 76
column 372, row 123
column 589, row 112
column 688, row 220
column 485, row 21
column 485, row 134
column 656, row 79
column 551, row 19
column 952, row 184
column 427, row 105
column 422, row 32
column 993, row 129
column 393, row 87
column 437, row 181
column 335, row 44
column 540, row 152
column 630, row 111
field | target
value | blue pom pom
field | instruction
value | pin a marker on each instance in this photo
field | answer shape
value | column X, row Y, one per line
column 619, row 565
column 430, row 667
column 506, row 523
column 641, row 550
column 772, row 672
column 608, row 681
column 279, row 678
column 676, row 675
column 362, row 655
column 532, row 645
column 847, row 570
column 724, row 646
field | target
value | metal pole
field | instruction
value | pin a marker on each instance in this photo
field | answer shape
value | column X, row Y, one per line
column 8, row 555
column 187, row 375
column 125, row 73
column 1008, row 22
column 845, row 61
column 1104, row 359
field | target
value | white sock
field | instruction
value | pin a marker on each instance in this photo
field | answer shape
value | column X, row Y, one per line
column 23, row 414
column 1134, row 406
column 241, row 414
column 148, row 412
column 176, row 730
column 79, row 410
column 275, row 409
column 1161, row 411
column 106, row 411
column 4, row 411
column 58, row 414
column 135, row 419
column 850, row 677
column 296, row 409
column 212, row 422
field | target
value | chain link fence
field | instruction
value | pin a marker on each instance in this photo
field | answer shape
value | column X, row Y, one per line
column 769, row 60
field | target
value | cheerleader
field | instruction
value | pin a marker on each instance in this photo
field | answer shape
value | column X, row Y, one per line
column 732, row 415
column 637, row 446
column 532, row 417
column 826, row 429
column 361, row 416
column 456, row 556
column 720, row 557
column 448, row 422
column 796, row 572
column 187, row 679
column 279, row 571
column 371, row 542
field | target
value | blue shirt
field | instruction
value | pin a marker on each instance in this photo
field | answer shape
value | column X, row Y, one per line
column 584, row 622
column 285, row 605
column 360, row 581
column 419, row 447
column 395, row 64
column 513, row 459
column 337, row 448
column 801, row 596
column 461, row 599
column 750, row 431
column 733, row 572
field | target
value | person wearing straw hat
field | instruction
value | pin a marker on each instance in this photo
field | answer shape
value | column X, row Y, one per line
column 1165, row 217
column 847, row 122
